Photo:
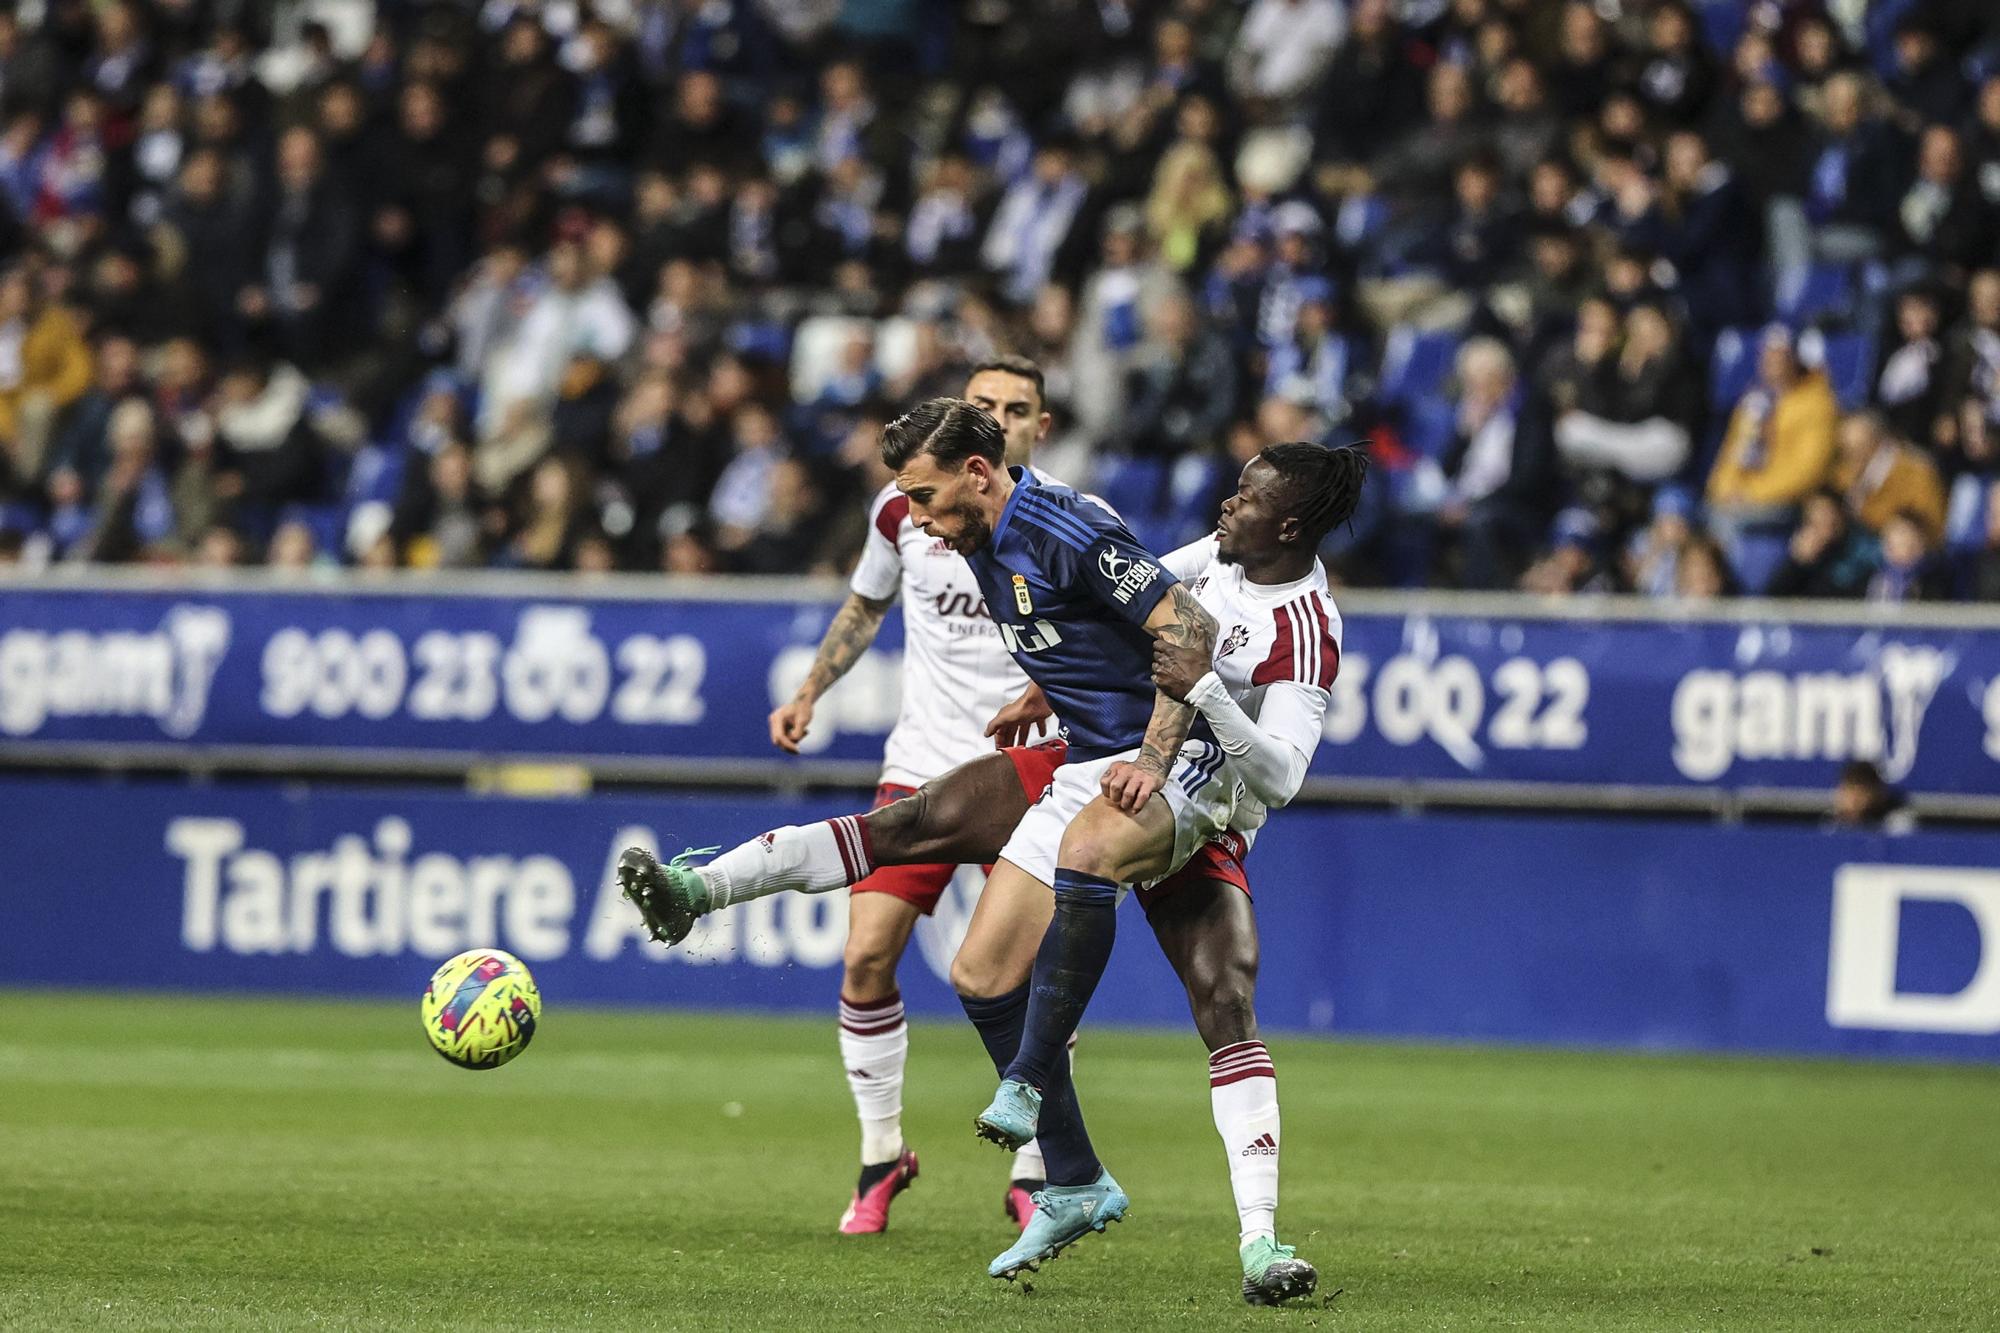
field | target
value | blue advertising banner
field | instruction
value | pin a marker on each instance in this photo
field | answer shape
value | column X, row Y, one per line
column 1493, row 690
column 1622, row 932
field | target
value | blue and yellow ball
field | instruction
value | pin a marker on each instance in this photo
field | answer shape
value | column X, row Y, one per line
column 481, row 1009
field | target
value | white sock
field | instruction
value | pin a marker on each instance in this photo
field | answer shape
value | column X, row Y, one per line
column 874, row 1044
column 811, row 858
column 1028, row 1164
column 1243, row 1091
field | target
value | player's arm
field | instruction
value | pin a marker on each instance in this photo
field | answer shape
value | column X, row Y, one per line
column 1178, row 621
column 1023, row 719
column 853, row 629
column 1270, row 753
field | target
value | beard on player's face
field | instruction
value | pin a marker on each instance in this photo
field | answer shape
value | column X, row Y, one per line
column 970, row 530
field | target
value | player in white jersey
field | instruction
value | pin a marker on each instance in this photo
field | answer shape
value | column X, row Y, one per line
column 1278, row 642
column 956, row 677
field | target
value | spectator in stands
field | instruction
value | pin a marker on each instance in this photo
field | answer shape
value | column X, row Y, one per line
column 1652, row 559
column 1910, row 571
column 1864, row 800
column 554, row 518
column 1702, row 224
column 1984, row 561
column 1702, row 573
column 45, row 366
column 1779, row 444
column 1943, row 224
column 304, row 262
column 1188, row 205
column 1881, row 476
column 1373, row 91
column 1859, row 169
column 1827, row 555
column 1632, row 420
column 1910, row 381
column 1025, row 242
column 1111, row 322
column 1496, row 468
column 1182, row 387
column 1575, row 562
column 1323, row 359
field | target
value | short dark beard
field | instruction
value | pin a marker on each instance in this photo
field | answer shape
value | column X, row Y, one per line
column 977, row 534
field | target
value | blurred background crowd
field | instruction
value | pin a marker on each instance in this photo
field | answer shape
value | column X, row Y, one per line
column 1688, row 297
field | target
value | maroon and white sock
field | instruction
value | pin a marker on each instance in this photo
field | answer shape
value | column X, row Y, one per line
column 808, row 858
column 874, row 1044
column 1243, row 1092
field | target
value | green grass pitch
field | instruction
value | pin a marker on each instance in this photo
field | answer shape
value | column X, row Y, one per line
column 176, row 1163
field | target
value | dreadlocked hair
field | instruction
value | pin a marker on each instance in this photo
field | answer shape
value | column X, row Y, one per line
column 1324, row 484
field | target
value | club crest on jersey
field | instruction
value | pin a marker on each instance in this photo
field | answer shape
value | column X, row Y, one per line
column 1129, row 577
column 1021, row 602
column 1238, row 636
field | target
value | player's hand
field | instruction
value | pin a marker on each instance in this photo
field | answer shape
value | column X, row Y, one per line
column 1177, row 667
column 790, row 723
column 1129, row 786
column 1022, row 720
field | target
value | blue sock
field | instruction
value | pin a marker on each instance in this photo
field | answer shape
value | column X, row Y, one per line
column 1068, row 967
column 1067, row 1154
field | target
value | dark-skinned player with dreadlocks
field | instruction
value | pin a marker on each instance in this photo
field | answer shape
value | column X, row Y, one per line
column 1259, row 694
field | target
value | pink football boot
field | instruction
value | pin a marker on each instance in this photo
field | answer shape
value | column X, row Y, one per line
column 868, row 1215
column 1020, row 1201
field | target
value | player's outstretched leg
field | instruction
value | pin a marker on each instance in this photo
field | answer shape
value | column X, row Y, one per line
column 962, row 818
column 1207, row 931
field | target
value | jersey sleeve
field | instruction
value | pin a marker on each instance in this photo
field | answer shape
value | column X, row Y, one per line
column 1124, row 575
column 1271, row 752
column 1191, row 559
column 879, row 575
column 1306, row 647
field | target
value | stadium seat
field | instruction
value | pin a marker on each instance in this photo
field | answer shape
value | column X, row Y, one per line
column 1756, row 556
column 1818, row 292
column 1133, row 487
column 1428, row 426
column 1731, row 367
column 1722, row 23
column 1415, row 365
column 1850, row 365
column 376, row 474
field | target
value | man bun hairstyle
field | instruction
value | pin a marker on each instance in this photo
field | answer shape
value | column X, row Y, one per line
column 1323, row 485
column 950, row 430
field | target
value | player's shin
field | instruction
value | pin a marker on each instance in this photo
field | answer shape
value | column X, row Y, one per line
column 1067, row 1155
column 1243, row 1092
column 1068, row 966
column 874, row 1046
column 805, row 858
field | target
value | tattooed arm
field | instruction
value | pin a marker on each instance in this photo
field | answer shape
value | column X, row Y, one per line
column 854, row 627
column 1178, row 622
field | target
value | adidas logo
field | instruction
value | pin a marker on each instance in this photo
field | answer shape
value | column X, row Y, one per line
column 860, row 1073
column 1263, row 1146
column 1089, row 1207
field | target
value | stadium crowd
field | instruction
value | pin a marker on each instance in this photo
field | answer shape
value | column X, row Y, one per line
column 1679, row 296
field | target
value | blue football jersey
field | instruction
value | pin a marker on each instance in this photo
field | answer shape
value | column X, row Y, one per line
column 1070, row 589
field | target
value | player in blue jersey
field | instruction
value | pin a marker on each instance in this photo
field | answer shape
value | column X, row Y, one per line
column 1080, row 604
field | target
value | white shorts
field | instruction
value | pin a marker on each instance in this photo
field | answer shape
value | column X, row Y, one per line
column 1199, row 792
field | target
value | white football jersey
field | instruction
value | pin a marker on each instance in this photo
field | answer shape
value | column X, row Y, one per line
column 1277, row 650
column 956, row 672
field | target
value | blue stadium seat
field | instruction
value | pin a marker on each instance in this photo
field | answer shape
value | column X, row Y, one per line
column 1731, row 367
column 1822, row 291
column 1428, row 426
column 1415, row 365
column 376, row 474
column 1850, row 365
column 1134, row 487
column 1722, row 22
column 1756, row 557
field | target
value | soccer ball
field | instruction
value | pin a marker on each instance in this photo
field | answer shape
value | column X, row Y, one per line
column 481, row 1008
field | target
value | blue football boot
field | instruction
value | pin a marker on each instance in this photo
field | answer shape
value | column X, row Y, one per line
column 1012, row 1118
column 1064, row 1215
